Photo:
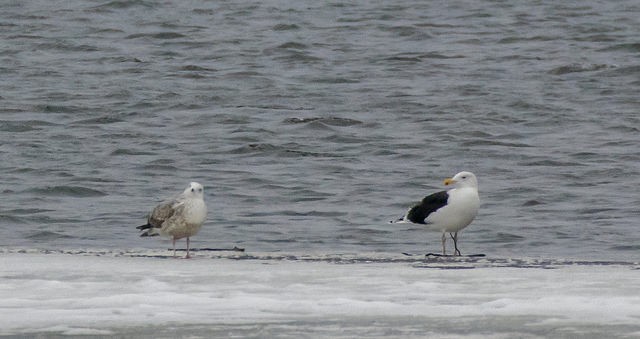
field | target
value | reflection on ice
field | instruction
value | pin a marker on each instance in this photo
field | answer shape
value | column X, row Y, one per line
column 129, row 294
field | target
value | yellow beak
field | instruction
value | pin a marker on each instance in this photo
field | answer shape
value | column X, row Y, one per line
column 449, row 181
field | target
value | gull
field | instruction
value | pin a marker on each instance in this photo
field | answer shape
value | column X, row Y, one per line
column 448, row 211
column 179, row 217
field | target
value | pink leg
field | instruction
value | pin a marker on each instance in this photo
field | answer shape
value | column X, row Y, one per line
column 187, row 256
column 174, row 247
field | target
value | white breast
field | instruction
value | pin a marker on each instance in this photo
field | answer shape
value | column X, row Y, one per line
column 196, row 211
column 461, row 209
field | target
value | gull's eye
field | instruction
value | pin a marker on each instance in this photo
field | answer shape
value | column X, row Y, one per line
column 193, row 190
column 199, row 189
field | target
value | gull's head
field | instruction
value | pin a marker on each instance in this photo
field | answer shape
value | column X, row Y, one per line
column 194, row 190
column 462, row 179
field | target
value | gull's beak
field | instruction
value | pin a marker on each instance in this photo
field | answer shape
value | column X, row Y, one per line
column 449, row 181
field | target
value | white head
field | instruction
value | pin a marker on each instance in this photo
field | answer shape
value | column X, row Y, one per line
column 194, row 190
column 463, row 179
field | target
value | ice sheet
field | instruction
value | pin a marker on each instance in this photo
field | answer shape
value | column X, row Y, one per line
column 147, row 294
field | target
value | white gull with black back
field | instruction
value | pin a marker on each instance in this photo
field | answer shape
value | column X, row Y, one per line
column 448, row 211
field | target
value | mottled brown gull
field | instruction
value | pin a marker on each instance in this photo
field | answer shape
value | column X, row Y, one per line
column 177, row 218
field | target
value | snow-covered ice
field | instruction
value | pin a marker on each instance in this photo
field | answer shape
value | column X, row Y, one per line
column 117, row 293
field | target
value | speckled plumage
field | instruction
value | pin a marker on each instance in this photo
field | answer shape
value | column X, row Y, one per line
column 180, row 217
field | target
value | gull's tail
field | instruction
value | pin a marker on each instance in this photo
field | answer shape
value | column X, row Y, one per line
column 401, row 220
column 147, row 230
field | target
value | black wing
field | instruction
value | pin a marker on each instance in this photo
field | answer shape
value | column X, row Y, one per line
column 428, row 205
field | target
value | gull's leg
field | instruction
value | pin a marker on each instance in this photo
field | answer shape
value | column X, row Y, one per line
column 187, row 256
column 174, row 247
column 444, row 239
column 454, row 236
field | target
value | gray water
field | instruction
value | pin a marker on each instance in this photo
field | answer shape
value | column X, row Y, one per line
column 312, row 124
